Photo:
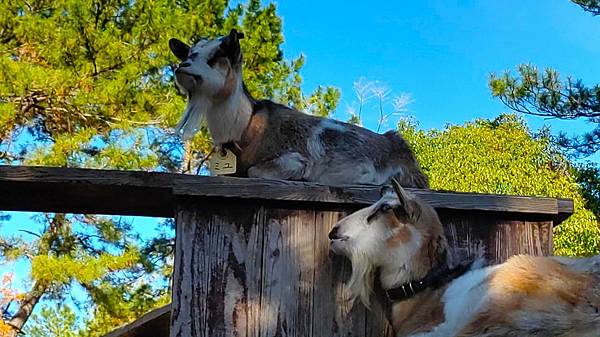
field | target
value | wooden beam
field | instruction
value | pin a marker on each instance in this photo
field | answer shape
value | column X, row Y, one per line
column 70, row 190
column 153, row 324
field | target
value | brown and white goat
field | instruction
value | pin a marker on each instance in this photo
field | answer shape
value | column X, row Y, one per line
column 274, row 141
column 398, row 245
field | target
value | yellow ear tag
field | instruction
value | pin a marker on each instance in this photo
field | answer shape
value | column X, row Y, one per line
column 222, row 162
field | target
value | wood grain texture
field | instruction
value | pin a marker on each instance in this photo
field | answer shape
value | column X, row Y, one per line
column 495, row 238
column 259, row 271
column 266, row 272
column 216, row 278
column 261, row 267
column 288, row 273
column 72, row 190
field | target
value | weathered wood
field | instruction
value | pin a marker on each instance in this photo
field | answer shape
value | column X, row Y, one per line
column 261, row 271
column 298, row 286
column 217, row 275
column 252, row 255
column 473, row 235
column 288, row 273
column 71, row 190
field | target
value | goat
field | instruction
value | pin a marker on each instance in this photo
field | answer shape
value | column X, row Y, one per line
column 271, row 140
column 397, row 246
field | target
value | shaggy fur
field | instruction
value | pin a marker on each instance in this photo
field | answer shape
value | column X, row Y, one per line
column 274, row 141
column 401, row 237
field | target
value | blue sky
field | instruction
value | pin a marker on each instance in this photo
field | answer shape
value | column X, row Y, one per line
column 441, row 52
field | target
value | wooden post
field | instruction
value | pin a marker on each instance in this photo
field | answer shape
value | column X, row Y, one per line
column 261, row 271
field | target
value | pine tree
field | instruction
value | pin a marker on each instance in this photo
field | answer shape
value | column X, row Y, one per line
column 543, row 93
column 87, row 83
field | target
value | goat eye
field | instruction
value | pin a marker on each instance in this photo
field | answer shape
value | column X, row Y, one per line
column 381, row 209
column 193, row 56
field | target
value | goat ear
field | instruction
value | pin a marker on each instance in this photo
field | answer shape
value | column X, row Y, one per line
column 234, row 35
column 231, row 45
column 404, row 199
column 179, row 49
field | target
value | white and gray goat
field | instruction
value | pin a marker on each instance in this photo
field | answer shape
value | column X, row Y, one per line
column 274, row 141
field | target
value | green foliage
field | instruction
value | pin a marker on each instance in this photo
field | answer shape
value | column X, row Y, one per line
column 84, row 269
column 546, row 95
column 107, row 68
column 122, row 304
column 53, row 322
column 501, row 156
column 588, row 178
column 62, row 321
column 87, row 83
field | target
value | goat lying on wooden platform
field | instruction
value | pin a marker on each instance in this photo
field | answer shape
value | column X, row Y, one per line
column 274, row 141
column 398, row 245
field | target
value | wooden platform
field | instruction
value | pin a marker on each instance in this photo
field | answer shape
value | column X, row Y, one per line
column 251, row 255
column 70, row 190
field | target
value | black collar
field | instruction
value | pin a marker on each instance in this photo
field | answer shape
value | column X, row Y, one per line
column 436, row 278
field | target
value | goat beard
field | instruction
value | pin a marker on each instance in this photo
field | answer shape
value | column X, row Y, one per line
column 361, row 280
column 195, row 111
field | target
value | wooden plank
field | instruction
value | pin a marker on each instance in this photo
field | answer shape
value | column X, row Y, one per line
column 565, row 209
column 152, row 194
column 246, row 188
column 288, row 274
column 495, row 238
column 467, row 235
column 216, row 278
column 153, row 324
column 511, row 237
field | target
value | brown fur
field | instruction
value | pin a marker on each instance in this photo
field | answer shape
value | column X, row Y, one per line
column 420, row 313
column 565, row 302
column 402, row 237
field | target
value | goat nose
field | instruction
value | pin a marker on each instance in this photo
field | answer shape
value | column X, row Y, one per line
column 184, row 64
column 333, row 234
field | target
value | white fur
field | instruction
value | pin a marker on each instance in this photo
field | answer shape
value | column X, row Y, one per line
column 315, row 145
column 195, row 110
column 475, row 294
column 362, row 247
column 227, row 119
column 462, row 300
column 337, row 172
column 400, row 258
column 291, row 165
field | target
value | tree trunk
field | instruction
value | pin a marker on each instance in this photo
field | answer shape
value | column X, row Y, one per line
column 188, row 158
column 26, row 306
